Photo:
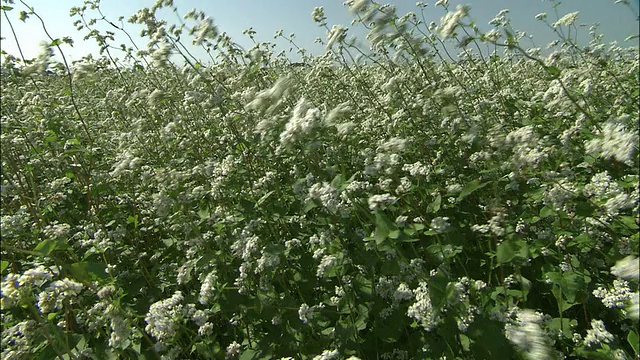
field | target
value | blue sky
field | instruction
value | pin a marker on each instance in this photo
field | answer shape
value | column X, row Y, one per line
column 294, row 16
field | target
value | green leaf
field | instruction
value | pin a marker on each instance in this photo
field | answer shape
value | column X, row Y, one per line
column 203, row 214
column 47, row 246
column 489, row 340
column 363, row 315
column 264, row 198
column 505, row 252
column 434, row 206
column 384, row 227
column 337, row 181
column 3, row 265
column 470, row 188
column 546, row 212
column 564, row 325
column 249, row 354
column 56, row 42
column 6, row 8
column 311, row 204
column 553, row 71
column 634, row 341
column 630, row 222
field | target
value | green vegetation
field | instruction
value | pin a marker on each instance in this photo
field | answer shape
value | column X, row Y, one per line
column 387, row 204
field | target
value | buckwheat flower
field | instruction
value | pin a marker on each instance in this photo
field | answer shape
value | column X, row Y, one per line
column 597, row 335
column 467, row 319
column 160, row 55
column 345, row 129
column 528, row 336
column 541, row 16
column 401, row 220
column 422, row 309
column 120, row 328
column 556, row 196
column 441, row 3
column 267, row 261
column 440, row 224
column 627, row 269
column 269, row 98
column 601, row 185
column 495, row 224
column 566, row 20
column 336, row 113
column 416, row 169
column 155, row 97
column 562, row 240
column 356, row 6
column 615, row 142
column 164, row 316
column 233, row 350
column 35, row 276
column 304, row 120
column 305, row 313
column 326, row 262
column 336, row 34
column 381, row 201
column 616, row 297
column 449, row 22
column 327, row 195
column 328, row 355
column 206, row 329
column 206, row 29
column 318, row 14
column 18, row 339
column 454, row 188
column 57, row 230
column 106, row 292
column 393, row 145
column 403, row 292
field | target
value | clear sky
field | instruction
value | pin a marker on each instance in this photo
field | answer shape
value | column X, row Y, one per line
column 294, row 16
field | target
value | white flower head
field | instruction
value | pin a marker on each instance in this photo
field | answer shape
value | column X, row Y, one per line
column 627, row 269
column 566, row 20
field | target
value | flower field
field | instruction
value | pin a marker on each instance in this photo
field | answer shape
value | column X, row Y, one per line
column 390, row 199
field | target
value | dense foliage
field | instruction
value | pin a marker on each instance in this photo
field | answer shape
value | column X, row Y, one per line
column 396, row 204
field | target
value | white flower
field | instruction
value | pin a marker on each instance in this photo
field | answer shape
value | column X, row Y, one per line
column 567, row 20
column 403, row 292
column 336, row 34
column 449, row 22
column 541, row 16
column 617, row 297
column 422, row 309
column 208, row 287
column 304, row 120
column 356, row 6
column 163, row 317
column 328, row 355
column 318, row 14
column 440, row 224
column 616, row 142
column 381, row 201
column 598, row 334
column 326, row 262
column 233, row 349
column 527, row 335
column 627, row 269
column 306, row 313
